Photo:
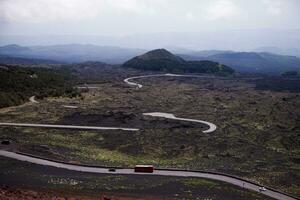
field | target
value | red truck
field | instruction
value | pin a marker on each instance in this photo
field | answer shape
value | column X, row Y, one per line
column 144, row 168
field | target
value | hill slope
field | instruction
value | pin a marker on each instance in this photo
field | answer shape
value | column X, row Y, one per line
column 163, row 60
column 17, row 84
column 251, row 61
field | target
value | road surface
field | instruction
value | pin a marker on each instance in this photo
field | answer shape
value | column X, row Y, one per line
column 212, row 127
column 177, row 173
column 32, row 100
column 68, row 126
column 86, row 86
column 128, row 171
column 68, row 106
column 127, row 80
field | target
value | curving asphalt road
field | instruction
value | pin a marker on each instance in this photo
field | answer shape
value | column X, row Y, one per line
column 86, row 86
column 68, row 126
column 68, row 106
column 32, row 100
column 159, row 172
column 127, row 80
column 212, row 127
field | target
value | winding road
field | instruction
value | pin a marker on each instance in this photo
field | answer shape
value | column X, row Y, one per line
column 129, row 82
column 32, row 100
column 211, row 129
column 128, row 171
column 158, row 172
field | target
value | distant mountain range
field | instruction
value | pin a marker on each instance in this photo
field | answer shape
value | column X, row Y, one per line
column 254, row 62
column 280, row 51
column 163, row 60
column 232, row 39
column 72, row 53
column 26, row 61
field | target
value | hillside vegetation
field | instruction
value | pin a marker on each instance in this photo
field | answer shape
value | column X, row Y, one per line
column 17, row 84
column 163, row 60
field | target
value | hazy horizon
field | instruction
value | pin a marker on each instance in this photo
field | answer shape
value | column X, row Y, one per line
column 237, row 40
column 194, row 24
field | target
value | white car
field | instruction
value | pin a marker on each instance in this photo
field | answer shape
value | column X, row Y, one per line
column 262, row 189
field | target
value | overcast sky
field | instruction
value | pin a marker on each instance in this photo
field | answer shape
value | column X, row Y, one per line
column 125, row 17
column 193, row 24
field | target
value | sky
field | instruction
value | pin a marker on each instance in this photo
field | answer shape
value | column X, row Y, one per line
column 116, row 18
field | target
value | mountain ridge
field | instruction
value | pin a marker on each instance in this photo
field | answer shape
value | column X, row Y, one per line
column 252, row 62
column 248, row 62
column 72, row 53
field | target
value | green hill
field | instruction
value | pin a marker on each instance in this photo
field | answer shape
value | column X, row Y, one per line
column 163, row 60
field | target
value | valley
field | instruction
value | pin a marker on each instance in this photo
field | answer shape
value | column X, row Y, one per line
column 256, row 139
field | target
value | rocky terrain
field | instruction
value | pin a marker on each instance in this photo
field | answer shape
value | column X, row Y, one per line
column 9, row 193
column 256, row 136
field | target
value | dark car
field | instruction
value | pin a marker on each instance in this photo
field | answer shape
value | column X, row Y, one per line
column 5, row 142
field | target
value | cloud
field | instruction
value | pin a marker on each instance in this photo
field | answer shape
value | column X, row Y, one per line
column 190, row 16
column 274, row 7
column 125, row 5
column 222, row 9
column 47, row 10
column 134, row 6
column 122, row 17
column 54, row 10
